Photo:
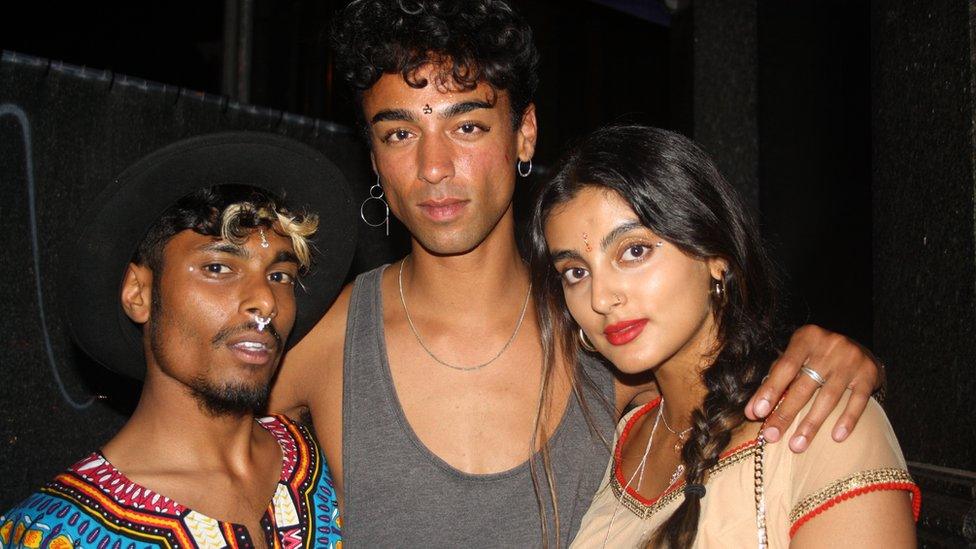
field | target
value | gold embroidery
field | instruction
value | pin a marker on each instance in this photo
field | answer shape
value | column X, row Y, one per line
column 732, row 459
column 856, row 481
column 643, row 511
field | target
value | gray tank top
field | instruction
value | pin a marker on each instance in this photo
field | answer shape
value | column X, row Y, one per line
column 399, row 494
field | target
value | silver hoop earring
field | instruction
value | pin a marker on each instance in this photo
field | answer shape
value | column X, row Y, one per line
column 376, row 193
column 528, row 171
column 718, row 292
column 585, row 343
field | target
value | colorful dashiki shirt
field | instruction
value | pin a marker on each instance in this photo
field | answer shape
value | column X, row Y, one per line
column 93, row 504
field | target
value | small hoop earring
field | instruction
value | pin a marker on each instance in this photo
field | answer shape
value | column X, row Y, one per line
column 718, row 291
column 585, row 343
column 528, row 171
column 376, row 193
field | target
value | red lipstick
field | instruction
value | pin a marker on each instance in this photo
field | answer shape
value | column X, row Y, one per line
column 625, row 331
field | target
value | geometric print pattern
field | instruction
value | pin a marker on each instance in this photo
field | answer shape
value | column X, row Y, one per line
column 93, row 504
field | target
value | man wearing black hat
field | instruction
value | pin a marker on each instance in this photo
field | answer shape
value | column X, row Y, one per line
column 192, row 271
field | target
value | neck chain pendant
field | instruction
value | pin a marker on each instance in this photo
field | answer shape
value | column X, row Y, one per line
column 678, row 471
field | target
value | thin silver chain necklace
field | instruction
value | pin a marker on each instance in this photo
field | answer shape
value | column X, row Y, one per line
column 420, row 340
column 638, row 474
column 681, row 439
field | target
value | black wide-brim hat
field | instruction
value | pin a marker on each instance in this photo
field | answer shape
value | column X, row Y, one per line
column 126, row 209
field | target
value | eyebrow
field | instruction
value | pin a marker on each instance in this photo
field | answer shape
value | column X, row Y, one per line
column 561, row 255
column 284, row 256
column 224, row 247
column 617, row 232
column 465, row 107
column 387, row 115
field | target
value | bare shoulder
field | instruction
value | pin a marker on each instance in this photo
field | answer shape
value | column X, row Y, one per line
column 314, row 362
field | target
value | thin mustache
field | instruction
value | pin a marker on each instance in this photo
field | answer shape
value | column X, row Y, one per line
column 226, row 333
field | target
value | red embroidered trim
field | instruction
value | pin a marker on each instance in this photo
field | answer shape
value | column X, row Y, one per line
column 618, row 453
column 906, row 486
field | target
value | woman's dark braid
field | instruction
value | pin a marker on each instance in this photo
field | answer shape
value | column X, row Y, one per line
column 730, row 381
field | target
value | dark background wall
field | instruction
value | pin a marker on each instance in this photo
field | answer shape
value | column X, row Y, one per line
column 846, row 124
column 924, row 236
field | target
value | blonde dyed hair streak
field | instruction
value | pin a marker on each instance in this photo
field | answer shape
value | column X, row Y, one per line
column 238, row 220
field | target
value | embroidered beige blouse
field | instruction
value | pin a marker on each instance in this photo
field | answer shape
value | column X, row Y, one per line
column 798, row 487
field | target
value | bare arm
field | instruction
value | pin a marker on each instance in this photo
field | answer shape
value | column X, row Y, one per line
column 841, row 361
column 311, row 377
column 876, row 519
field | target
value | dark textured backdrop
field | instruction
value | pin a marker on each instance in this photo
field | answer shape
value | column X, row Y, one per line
column 924, row 233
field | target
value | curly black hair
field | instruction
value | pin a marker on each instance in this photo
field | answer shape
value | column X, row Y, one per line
column 472, row 40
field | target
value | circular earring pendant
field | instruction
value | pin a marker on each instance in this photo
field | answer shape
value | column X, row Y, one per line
column 376, row 193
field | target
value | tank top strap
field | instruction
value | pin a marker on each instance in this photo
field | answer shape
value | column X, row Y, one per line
column 363, row 323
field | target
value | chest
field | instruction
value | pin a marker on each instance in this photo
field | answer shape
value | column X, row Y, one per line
column 477, row 420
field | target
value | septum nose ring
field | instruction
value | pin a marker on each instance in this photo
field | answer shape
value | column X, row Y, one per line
column 263, row 321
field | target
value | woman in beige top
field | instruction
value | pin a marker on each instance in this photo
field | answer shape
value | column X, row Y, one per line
column 647, row 248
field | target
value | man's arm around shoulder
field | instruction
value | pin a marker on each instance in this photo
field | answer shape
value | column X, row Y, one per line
column 310, row 378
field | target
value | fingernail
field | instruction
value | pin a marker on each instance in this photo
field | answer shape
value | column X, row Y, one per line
column 840, row 433
column 771, row 433
column 799, row 443
column 762, row 407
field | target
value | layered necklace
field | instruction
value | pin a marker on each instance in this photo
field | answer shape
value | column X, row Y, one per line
column 639, row 470
column 638, row 474
column 420, row 340
column 682, row 437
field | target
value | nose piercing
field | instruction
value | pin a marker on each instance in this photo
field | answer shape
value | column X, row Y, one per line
column 263, row 321
column 617, row 297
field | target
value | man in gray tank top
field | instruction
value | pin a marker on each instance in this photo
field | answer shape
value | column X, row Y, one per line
column 424, row 378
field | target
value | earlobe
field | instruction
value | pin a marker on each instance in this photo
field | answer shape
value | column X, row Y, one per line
column 717, row 268
column 136, row 293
